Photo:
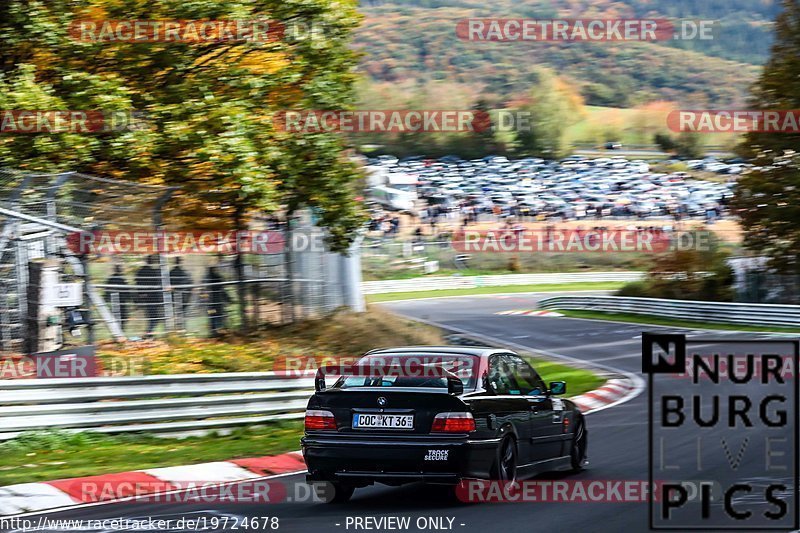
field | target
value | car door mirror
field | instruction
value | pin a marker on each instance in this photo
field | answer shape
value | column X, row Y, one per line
column 558, row 388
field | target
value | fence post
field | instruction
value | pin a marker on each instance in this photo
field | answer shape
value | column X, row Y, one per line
column 289, row 269
column 87, row 296
column 351, row 270
column 241, row 292
column 21, row 268
column 166, row 283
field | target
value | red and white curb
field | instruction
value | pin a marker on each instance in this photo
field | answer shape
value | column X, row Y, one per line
column 529, row 312
column 32, row 497
column 613, row 391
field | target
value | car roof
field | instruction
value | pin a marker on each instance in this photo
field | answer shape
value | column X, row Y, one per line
column 479, row 351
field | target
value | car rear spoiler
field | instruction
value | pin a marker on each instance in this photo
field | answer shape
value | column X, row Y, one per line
column 454, row 384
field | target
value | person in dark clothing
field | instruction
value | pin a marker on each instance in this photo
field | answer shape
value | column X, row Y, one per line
column 217, row 298
column 150, row 293
column 119, row 297
column 183, row 296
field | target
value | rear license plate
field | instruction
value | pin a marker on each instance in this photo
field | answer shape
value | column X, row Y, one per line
column 381, row 421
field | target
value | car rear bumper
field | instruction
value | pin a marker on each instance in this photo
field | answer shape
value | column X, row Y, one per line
column 359, row 459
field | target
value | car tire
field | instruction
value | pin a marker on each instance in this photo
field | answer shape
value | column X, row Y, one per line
column 505, row 469
column 580, row 443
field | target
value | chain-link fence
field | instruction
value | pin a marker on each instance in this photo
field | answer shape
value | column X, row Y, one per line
column 210, row 294
column 139, row 276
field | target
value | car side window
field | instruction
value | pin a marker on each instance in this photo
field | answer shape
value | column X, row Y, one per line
column 527, row 380
column 499, row 376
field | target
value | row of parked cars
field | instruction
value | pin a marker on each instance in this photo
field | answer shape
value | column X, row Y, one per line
column 574, row 187
column 712, row 164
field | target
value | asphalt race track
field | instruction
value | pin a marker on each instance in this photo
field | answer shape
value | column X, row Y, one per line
column 618, row 445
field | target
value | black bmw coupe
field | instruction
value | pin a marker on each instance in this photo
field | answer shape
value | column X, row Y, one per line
column 438, row 415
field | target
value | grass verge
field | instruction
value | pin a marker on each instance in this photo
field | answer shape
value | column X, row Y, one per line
column 578, row 380
column 661, row 321
column 566, row 287
column 43, row 456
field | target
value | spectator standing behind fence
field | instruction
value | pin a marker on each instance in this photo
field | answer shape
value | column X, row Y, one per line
column 150, row 293
column 183, row 296
column 119, row 296
column 216, row 300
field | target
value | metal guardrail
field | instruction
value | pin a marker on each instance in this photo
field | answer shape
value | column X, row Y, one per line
column 168, row 404
column 722, row 312
column 471, row 282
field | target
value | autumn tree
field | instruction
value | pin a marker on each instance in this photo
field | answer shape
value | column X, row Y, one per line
column 554, row 106
column 768, row 198
column 768, row 202
column 778, row 88
column 208, row 106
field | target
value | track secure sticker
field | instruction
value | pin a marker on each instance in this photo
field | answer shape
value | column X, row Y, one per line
column 437, row 455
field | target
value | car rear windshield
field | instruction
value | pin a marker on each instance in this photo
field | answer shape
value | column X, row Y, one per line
column 410, row 370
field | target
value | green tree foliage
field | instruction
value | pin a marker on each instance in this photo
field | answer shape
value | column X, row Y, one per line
column 779, row 85
column 768, row 202
column 687, row 145
column 483, row 139
column 698, row 274
column 209, row 106
column 432, row 96
column 665, row 142
column 768, row 199
column 553, row 107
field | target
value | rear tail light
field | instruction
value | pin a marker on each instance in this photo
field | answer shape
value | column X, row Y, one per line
column 317, row 420
column 453, row 423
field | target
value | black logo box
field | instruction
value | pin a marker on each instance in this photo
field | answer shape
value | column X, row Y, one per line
column 667, row 354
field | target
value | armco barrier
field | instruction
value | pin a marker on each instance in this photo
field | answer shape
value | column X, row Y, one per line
column 170, row 405
column 472, row 282
column 156, row 404
column 720, row 312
